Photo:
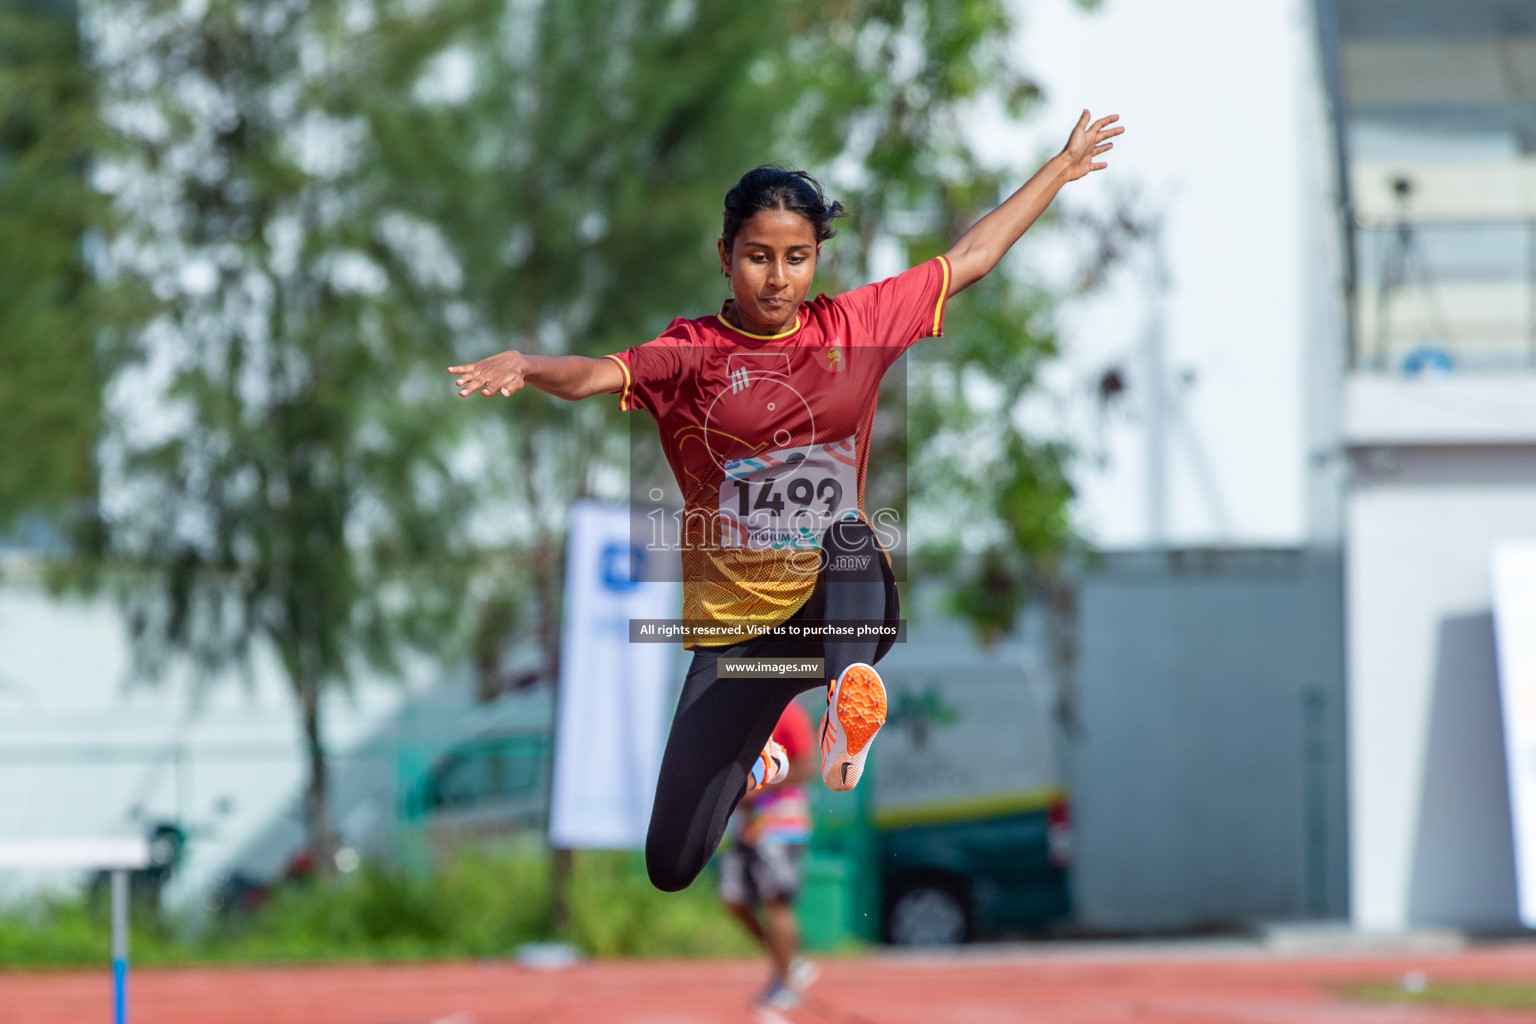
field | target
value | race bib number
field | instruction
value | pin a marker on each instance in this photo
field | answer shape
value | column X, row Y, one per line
column 785, row 500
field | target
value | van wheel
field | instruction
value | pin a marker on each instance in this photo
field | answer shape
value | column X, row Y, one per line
column 929, row 912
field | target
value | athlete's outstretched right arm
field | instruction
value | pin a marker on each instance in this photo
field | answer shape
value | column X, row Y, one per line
column 568, row 377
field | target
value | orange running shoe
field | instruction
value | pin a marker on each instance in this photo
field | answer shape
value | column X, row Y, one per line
column 855, row 712
column 772, row 766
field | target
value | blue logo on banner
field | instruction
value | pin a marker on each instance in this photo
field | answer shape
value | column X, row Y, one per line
column 615, row 562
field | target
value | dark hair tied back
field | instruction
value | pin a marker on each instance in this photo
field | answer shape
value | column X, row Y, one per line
column 774, row 188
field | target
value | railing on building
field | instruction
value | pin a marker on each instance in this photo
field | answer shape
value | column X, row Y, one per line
column 1445, row 267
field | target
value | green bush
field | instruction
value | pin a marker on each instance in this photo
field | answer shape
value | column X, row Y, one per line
column 479, row 904
column 53, row 931
column 615, row 911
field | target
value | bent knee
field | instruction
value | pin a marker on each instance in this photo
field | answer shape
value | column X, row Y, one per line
column 672, row 871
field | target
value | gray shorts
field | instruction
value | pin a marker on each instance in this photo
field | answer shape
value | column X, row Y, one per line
column 755, row 875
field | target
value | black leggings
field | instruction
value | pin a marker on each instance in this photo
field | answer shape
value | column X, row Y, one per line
column 720, row 725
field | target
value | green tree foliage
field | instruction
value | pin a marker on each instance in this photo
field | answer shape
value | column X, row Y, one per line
column 276, row 466
column 51, row 309
column 574, row 157
column 998, row 496
column 331, row 202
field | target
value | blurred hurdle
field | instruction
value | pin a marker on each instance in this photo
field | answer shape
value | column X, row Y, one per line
column 118, row 855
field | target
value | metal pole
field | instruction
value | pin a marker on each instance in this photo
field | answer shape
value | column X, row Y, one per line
column 1332, row 51
column 1157, row 399
column 119, row 946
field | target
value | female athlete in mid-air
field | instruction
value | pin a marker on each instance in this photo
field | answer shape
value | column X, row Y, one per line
column 765, row 414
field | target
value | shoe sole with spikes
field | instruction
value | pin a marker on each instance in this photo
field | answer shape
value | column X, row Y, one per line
column 855, row 712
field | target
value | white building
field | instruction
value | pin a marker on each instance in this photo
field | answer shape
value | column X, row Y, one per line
column 1343, row 354
column 1438, row 129
column 1208, row 774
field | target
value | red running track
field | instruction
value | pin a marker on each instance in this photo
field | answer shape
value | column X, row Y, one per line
column 1071, row 985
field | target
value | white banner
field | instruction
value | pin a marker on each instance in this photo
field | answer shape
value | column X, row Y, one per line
column 615, row 697
column 1514, row 618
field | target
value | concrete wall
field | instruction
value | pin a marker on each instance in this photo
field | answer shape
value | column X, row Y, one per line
column 1442, row 470
column 1208, row 778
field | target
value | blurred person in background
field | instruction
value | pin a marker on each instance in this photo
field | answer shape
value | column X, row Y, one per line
column 765, row 413
column 760, row 870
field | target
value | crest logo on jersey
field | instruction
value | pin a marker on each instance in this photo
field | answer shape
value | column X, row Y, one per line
column 835, row 357
column 739, row 380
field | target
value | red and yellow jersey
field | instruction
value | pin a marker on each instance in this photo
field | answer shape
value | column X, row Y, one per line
column 768, row 436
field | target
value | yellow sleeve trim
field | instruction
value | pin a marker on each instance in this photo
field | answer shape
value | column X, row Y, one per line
column 938, row 309
column 624, row 403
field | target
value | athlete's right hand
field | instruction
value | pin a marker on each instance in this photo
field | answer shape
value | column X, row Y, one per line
column 504, row 372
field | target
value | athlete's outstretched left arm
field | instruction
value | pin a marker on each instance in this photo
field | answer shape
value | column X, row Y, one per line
column 980, row 248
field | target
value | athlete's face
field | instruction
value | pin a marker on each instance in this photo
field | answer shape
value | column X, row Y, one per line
column 770, row 264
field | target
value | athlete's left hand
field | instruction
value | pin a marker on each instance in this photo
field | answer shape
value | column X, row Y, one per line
column 1088, row 141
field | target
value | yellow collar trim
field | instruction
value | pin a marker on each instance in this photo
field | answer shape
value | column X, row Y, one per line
column 749, row 334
